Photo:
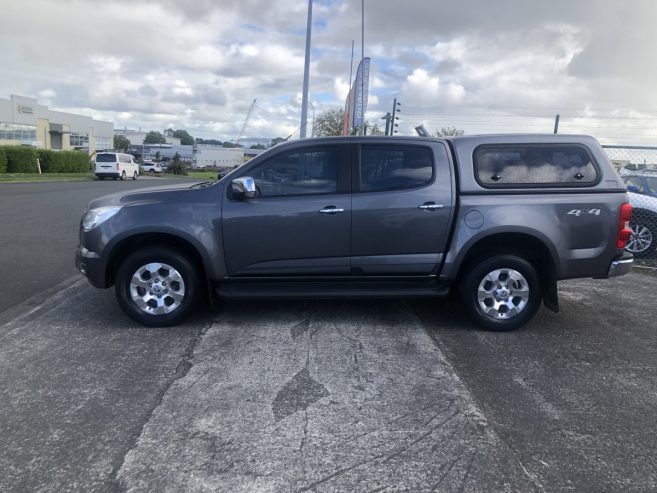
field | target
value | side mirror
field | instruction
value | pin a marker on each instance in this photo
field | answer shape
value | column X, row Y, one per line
column 243, row 187
column 633, row 188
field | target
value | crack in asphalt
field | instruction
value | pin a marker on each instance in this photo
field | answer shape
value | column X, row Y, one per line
column 182, row 369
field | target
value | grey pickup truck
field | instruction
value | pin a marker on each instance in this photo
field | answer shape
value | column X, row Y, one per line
column 499, row 219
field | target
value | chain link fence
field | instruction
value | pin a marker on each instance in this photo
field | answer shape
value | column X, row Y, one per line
column 637, row 165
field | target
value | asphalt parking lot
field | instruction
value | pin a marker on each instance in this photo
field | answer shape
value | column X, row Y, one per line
column 319, row 396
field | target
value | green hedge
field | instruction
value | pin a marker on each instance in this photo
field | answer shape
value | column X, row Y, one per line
column 63, row 161
column 21, row 159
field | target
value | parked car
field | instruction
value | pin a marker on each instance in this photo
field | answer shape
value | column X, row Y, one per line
column 115, row 165
column 500, row 219
column 151, row 167
column 642, row 182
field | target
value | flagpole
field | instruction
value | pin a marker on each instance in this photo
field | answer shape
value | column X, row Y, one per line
column 306, row 74
column 362, row 80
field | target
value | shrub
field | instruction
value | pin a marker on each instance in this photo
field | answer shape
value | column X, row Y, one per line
column 63, row 161
column 177, row 168
column 3, row 161
column 21, row 159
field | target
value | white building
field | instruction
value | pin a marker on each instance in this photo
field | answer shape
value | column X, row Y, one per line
column 25, row 122
column 209, row 155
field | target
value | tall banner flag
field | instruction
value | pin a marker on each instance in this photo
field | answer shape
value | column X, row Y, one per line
column 361, row 90
column 348, row 113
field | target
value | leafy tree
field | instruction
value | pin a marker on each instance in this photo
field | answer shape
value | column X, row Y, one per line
column 121, row 143
column 449, row 132
column 257, row 146
column 230, row 145
column 277, row 140
column 185, row 138
column 157, row 156
column 329, row 123
column 154, row 137
column 176, row 166
column 213, row 142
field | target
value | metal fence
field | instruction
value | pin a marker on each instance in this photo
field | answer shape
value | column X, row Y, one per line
column 637, row 166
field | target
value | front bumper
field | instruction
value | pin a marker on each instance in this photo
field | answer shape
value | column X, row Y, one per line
column 91, row 265
column 621, row 266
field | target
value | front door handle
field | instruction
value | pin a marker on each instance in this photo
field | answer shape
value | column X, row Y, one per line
column 331, row 209
column 430, row 206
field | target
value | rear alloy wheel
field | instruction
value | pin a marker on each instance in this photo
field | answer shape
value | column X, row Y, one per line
column 502, row 292
column 157, row 287
column 642, row 239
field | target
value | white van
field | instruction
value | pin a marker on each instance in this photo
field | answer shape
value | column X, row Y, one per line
column 116, row 165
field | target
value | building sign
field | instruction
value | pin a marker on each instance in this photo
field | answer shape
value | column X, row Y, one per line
column 24, row 108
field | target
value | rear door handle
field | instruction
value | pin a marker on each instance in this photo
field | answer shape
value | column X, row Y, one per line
column 331, row 209
column 430, row 206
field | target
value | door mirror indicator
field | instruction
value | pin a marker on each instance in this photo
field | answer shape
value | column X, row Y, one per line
column 243, row 187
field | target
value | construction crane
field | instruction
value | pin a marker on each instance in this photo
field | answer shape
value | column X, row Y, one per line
column 246, row 121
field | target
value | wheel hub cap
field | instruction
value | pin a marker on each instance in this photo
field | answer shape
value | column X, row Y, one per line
column 157, row 288
column 503, row 293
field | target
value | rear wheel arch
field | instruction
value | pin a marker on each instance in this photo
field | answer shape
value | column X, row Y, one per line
column 523, row 245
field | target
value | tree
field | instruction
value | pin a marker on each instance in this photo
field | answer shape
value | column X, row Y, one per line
column 176, row 166
column 157, row 156
column 121, row 143
column 276, row 140
column 449, row 132
column 213, row 142
column 329, row 123
column 153, row 137
column 257, row 146
column 230, row 144
column 185, row 138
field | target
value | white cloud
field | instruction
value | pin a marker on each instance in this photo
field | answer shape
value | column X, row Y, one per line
column 199, row 65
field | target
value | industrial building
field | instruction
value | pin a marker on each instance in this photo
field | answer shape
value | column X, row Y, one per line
column 25, row 122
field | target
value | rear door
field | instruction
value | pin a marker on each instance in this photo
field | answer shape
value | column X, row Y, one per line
column 300, row 224
column 402, row 205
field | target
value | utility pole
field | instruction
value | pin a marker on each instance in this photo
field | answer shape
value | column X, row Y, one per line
column 387, row 118
column 395, row 109
column 362, row 57
column 556, row 124
column 306, row 74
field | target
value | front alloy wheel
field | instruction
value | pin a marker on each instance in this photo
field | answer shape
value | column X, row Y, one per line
column 157, row 286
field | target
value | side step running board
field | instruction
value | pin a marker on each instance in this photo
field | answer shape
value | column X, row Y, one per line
column 329, row 290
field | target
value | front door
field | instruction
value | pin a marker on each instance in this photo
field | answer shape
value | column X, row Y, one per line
column 299, row 223
column 402, row 205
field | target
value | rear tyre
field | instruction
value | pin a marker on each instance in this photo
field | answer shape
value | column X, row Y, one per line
column 123, row 176
column 134, row 176
column 501, row 293
column 157, row 286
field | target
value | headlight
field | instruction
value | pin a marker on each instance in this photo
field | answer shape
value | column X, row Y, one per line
column 93, row 217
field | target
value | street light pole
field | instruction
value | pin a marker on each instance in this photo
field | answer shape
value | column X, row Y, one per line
column 306, row 74
column 312, row 129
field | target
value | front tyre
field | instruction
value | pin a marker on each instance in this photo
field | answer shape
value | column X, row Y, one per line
column 502, row 292
column 157, row 286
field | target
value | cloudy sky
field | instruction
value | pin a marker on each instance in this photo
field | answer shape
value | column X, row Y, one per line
column 481, row 65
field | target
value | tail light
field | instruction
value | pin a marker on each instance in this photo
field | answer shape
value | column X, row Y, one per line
column 117, row 166
column 624, row 231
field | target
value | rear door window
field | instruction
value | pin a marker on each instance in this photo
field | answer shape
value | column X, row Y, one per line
column 394, row 167
column 533, row 165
